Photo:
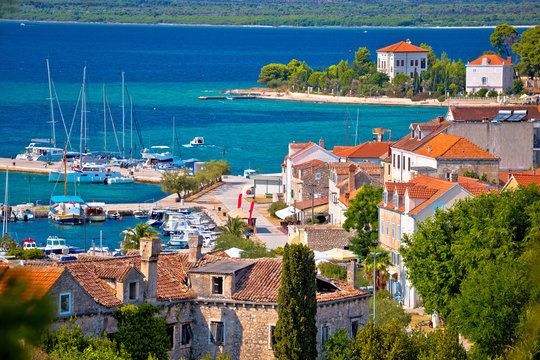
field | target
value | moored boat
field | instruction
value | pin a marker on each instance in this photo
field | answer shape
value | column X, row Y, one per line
column 55, row 245
column 67, row 210
column 197, row 141
column 119, row 180
column 28, row 244
column 25, row 214
column 113, row 214
column 88, row 173
column 94, row 212
column 140, row 214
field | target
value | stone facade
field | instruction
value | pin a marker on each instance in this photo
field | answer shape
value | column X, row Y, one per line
column 447, row 168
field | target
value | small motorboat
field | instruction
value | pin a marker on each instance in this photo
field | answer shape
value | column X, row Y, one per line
column 179, row 241
column 56, row 245
column 94, row 212
column 29, row 244
column 197, row 141
column 140, row 214
column 113, row 214
column 119, row 180
column 99, row 251
column 25, row 214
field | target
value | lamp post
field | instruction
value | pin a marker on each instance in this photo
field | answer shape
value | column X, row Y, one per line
column 374, row 254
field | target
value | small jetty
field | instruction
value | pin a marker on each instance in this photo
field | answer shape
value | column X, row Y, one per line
column 236, row 97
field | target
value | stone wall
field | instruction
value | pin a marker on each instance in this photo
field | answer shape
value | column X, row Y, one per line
column 479, row 167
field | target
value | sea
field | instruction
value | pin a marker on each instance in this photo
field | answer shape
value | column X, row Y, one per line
column 166, row 68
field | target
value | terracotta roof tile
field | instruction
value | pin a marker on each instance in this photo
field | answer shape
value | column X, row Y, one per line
column 306, row 204
column 478, row 113
column 526, row 180
column 38, row 281
column 411, row 144
column 444, row 146
column 402, row 46
column 505, row 175
column 345, row 291
column 370, row 149
column 492, row 60
column 476, row 186
column 420, row 192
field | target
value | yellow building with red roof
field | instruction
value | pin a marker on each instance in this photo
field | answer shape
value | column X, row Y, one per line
column 402, row 58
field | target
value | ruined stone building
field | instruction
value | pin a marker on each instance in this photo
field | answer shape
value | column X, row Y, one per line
column 211, row 303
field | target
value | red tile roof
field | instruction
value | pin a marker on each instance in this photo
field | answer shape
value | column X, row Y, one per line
column 505, row 175
column 444, row 146
column 370, row 149
column 306, row 204
column 314, row 169
column 410, row 144
column 402, row 46
column 476, row 186
column 526, row 180
column 38, row 281
column 492, row 60
column 419, row 192
column 478, row 113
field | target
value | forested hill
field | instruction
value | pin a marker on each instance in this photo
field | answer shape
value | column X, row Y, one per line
column 345, row 13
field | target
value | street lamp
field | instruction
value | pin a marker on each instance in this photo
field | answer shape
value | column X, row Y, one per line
column 374, row 254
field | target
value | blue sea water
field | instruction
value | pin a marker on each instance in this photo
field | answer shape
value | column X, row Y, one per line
column 167, row 68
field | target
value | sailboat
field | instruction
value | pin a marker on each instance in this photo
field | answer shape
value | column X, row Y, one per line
column 66, row 210
column 48, row 151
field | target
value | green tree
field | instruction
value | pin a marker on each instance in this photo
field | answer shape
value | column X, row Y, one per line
column 482, row 92
column 276, row 206
column 23, row 319
column 441, row 345
column 234, row 226
column 363, row 216
column 389, row 310
column 273, row 75
column 517, row 87
column 401, row 83
column 296, row 331
column 252, row 249
column 142, row 333
column 362, row 63
column 336, row 346
column 492, row 93
column 333, row 271
column 378, row 79
column 7, row 242
column 133, row 236
column 382, row 264
column 529, row 51
column 178, row 183
column 503, row 38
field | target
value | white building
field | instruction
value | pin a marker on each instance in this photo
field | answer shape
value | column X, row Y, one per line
column 402, row 57
column 490, row 72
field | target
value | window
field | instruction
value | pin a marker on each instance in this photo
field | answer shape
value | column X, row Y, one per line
column 217, row 332
column 423, row 63
column 324, row 334
column 399, row 232
column 389, row 170
column 393, row 230
column 397, row 165
column 415, row 62
column 412, row 62
column 394, row 160
column 411, row 74
column 403, row 161
column 409, row 165
column 65, row 303
column 318, row 176
column 272, row 339
column 354, row 327
column 170, row 335
column 187, row 335
column 484, row 81
column 132, row 291
column 387, row 228
column 217, row 285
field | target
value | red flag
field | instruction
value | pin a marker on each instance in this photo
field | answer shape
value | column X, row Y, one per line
column 239, row 200
column 251, row 212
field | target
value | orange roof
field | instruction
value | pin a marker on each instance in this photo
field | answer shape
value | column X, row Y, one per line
column 526, row 180
column 370, row 149
column 492, row 60
column 434, row 126
column 339, row 148
column 505, row 175
column 402, row 46
column 347, row 197
column 476, row 186
column 453, row 147
column 294, row 145
column 38, row 281
column 306, row 204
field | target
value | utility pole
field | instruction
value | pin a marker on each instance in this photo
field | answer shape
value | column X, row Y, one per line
column 374, row 254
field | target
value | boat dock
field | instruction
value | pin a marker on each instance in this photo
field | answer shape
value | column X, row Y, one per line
column 236, row 97
column 149, row 176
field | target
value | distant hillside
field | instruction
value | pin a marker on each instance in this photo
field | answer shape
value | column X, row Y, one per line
column 280, row 12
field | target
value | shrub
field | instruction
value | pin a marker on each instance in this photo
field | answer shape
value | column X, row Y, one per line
column 21, row 253
column 278, row 205
column 481, row 93
column 492, row 93
column 333, row 271
column 441, row 98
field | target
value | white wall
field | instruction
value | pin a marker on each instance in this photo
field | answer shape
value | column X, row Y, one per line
column 393, row 59
column 498, row 77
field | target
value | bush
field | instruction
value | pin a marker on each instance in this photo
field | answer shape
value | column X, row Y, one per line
column 278, row 205
column 333, row 271
column 481, row 93
column 441, row 98
column 251, row 249
column 492, row 93
column 27, row 254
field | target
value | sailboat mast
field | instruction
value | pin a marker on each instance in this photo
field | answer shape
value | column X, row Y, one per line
column 51, row 103
column 123, row 119
column 104, row 121
column 174, row 130
column 131, row 126
column 5, row 217
column 83, row 109
column 356, row 135
column 65, row 171
column 347, row 129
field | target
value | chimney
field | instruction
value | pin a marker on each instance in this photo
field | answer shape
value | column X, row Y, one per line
column 321, row 143
column 453, row 177
column 347, row 194
column 509, row 59
column 408, row 41
column 195, row 243
column 351, row 273
column 352, row 185
column 149, row 249
column 485, row 60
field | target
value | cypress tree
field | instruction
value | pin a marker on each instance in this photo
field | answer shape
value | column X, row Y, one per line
column 296, row 330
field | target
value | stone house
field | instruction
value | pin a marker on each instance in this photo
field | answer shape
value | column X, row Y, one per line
column 344, row 179
column 490, row 72
column 304, row 170
column 402, row 58
column 211, row 303
column 320, row 237
column 404, row 205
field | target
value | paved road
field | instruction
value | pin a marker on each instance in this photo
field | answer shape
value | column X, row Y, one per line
column 228, row 195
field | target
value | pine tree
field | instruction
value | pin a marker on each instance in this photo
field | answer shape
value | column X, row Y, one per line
column 296, row 330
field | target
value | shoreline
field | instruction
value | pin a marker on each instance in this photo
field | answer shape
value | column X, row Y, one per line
column 252, row 26
column 264, row 94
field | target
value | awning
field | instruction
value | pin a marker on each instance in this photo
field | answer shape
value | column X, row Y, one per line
column 288, row 211
column 59, row 199
column 234, row 252
column 341, row 254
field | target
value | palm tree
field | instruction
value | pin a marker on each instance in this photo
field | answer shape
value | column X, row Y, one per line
column 383, row 262
column 132, row 237
column 234, row 226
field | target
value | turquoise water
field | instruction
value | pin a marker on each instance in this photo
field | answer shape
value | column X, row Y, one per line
column 33, row 188
column 166, row 69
